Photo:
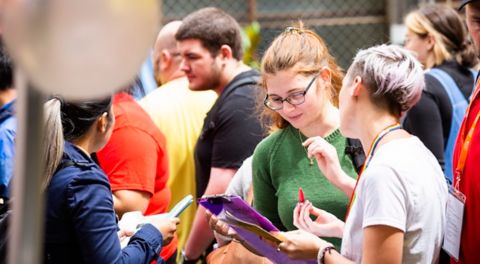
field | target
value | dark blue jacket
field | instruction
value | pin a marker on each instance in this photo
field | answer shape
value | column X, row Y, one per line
column 80, row 222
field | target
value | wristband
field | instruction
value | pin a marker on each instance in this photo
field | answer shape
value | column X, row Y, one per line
column 321, row 254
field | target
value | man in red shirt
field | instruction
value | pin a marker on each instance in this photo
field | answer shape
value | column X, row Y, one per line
column 468, row 177
column 135, row 161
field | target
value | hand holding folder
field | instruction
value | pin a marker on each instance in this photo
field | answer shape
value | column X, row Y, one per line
column 273, row 237
column 253, row 228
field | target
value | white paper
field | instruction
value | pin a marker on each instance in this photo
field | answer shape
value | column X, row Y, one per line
column 132, row 221
column 453, row 226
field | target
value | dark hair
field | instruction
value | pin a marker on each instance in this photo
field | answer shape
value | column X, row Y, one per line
column 65, row 120
column 214, row 28
column 448, row 29
column 6, row 70
column 78, row 117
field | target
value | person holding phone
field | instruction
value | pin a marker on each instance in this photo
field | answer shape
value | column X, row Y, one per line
column 137, row 169
column 80, row 220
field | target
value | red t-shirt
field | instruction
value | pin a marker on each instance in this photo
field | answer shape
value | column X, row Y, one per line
column 135, row 158
column 470, row 185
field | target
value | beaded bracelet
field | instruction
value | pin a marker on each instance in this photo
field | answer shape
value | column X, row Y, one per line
column 321, row 254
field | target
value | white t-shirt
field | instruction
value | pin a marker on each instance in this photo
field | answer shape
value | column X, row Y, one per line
column 242, row 180
column 403, row 187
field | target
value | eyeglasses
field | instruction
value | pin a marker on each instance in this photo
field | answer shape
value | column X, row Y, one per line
column 276, row 102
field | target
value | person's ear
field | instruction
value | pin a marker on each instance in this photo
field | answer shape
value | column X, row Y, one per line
column 165, row 60
column 358, row 86
column 325, row 74
column 102, row 123
column 430, row 41
column 225, row 52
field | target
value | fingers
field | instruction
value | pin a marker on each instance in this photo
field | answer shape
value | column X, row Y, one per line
column 282, row 246
column 175, row 220
column 308, row 221
column 303, row 214
column 296, row 215
column 316, row 148
column 124, row 233
column 290, row 248
column 218, row 225
column 211, row 219
column 315, row 211
column 309, row 141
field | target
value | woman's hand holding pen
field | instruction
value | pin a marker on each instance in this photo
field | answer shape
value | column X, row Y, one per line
column 325, row 224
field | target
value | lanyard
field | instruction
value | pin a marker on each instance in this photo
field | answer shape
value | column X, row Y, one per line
column 371, row 151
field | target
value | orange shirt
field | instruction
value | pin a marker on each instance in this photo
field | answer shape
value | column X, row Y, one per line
column 135, row 158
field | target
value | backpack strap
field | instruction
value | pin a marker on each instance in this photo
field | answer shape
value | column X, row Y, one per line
column 355, row 150
column 247, row 78
column 64, row 164
column 459, row 106
column 474, row 75
column 250, row 79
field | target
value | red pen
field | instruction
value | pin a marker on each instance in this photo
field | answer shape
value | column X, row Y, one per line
column 301, row 196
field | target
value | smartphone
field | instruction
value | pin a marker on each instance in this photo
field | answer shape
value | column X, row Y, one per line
column 181, row 206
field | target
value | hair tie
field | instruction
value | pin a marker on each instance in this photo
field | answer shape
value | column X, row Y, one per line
column 59, row 99
column 293, row 30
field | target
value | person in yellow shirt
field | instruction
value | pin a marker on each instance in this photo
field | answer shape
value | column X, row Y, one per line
column 179, row 113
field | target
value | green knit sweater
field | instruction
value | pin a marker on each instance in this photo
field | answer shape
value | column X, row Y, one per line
column 281, row 166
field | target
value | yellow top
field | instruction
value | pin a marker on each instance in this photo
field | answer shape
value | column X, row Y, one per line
column 179, row 113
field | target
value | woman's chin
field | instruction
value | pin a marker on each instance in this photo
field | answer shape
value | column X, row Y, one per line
column 347, row 131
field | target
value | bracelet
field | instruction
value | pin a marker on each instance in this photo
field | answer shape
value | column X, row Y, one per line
column 321, row 254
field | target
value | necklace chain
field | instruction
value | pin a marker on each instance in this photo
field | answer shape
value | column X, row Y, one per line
column 304, row 148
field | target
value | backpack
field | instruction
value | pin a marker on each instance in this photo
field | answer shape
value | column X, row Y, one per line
column 459, row 107
column 355, row 150
column 5, row 215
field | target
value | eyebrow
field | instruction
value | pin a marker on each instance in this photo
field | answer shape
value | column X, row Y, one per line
column 189, row 53
column 293, row 90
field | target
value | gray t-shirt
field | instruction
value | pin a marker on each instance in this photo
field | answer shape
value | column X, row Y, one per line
column 242, row 180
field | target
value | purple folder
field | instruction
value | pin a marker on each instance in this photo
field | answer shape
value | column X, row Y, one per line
column 234, row 205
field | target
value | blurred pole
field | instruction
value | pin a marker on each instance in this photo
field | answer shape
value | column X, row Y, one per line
column 396, row 10
column 26, row 226
column 252, row 11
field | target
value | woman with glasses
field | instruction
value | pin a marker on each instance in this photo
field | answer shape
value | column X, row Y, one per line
column 397, row 210
column 301, row 81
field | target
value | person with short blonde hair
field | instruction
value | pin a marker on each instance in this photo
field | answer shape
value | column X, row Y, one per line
column 437, row 35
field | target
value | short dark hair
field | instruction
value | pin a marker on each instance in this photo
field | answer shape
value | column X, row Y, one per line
column 214, row 28
column 6, row 70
